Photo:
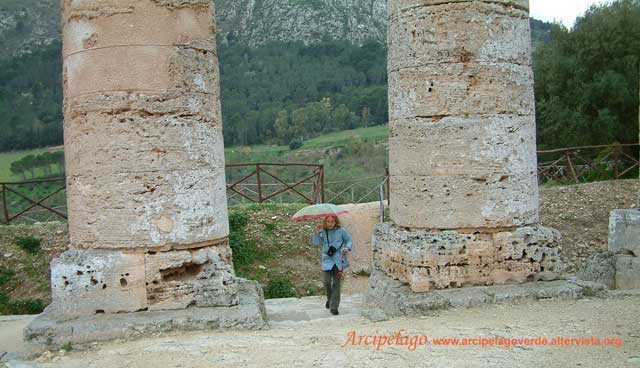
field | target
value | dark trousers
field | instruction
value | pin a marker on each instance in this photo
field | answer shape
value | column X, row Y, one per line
column 332, row 287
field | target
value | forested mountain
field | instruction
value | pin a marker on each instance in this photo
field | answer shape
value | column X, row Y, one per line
column 26, row 25
column 292, row 86
column 255, row 23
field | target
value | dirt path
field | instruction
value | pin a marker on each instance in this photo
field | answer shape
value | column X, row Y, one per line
column 318, row 343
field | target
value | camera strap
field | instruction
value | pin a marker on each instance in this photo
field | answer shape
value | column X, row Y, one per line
column 326, row 234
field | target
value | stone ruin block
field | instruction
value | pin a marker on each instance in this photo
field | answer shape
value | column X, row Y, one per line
column 146, row 193
column 181, row 279
column 479, row 185
column 94, row 282
column 436, row 260
column 624, row 244
column 600, row 267
column 487, row 34
column 97, row 282
column 627, row 272
column 624, row 232
column 460, row 89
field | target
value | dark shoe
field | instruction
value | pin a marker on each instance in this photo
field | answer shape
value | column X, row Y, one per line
column 334, row 312
column 326, row 305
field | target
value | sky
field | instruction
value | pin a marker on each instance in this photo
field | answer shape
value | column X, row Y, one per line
column 564, row 11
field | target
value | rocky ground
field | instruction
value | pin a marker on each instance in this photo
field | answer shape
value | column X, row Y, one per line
column 580, row 212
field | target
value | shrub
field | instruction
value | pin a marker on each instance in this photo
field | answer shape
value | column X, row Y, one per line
column 295, row 144
column 279, row 287
column 29, row 244
column 244, row 250
column 5, row 276
column 27, row 306
column 23, row 306
column 238, row 221
column 269, row 228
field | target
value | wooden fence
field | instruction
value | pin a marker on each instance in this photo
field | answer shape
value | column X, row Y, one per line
column 23, row 203
column 588, row 163
column 261, row 182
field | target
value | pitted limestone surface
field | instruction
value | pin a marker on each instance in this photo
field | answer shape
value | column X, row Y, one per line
column 98, row 282
column 390, row 298
column 180, row 279
column 399, row 6
column 144, row 23
column 174, row 4
column 436, row 260
column 459, row 89
column 429, row 25
column 600, row 267
column 88, row 283
column 475, row 177
column 143, row 127
column 461, row 107
column 91, row 9
column 49, row 332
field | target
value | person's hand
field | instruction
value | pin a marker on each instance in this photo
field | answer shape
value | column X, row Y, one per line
column 346, row 250
column 319, row 227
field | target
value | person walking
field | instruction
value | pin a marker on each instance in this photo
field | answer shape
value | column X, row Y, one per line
column 336, row 244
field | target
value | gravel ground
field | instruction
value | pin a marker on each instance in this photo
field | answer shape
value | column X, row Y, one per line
column 320, row 343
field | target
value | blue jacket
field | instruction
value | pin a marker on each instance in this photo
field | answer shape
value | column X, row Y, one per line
column 338, row 237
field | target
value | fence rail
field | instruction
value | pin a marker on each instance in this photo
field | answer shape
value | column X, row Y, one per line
column 13, row 197
column 579, row 164
column 269, row 185
column 259, row 183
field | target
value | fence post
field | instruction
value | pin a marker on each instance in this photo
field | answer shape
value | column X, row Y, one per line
column 386, row 171
column 259, row 183
column 5, row 210
column 616, row 157
column 322, row 182
column 381, row 203
column 573, row 170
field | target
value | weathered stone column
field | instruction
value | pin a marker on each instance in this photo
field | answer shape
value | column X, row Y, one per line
column 145, row 169
column 462, row 147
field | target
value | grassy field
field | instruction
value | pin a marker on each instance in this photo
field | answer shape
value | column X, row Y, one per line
column 376, row 133
column 349, row 155
column 6, row 158
column 266, row 153
column 262, row 153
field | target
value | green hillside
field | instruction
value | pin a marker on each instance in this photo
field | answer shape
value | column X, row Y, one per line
column 312, row 150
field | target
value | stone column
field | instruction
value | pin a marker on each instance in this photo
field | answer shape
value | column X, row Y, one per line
column 144, row 158
column 462, row 147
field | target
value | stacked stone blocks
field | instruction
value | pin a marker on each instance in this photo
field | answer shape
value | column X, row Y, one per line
column 462, row 149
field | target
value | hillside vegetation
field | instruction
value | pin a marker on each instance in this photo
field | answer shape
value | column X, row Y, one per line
column 281, row 82
column 279, row 92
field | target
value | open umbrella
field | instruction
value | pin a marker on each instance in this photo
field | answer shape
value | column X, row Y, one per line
column 318, row 211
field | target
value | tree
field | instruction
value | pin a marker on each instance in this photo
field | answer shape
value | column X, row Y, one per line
column 30, row 164
column 587, row 79
column 343, row 118
column 284, row 131
column 17, row 168
column 58, row 158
